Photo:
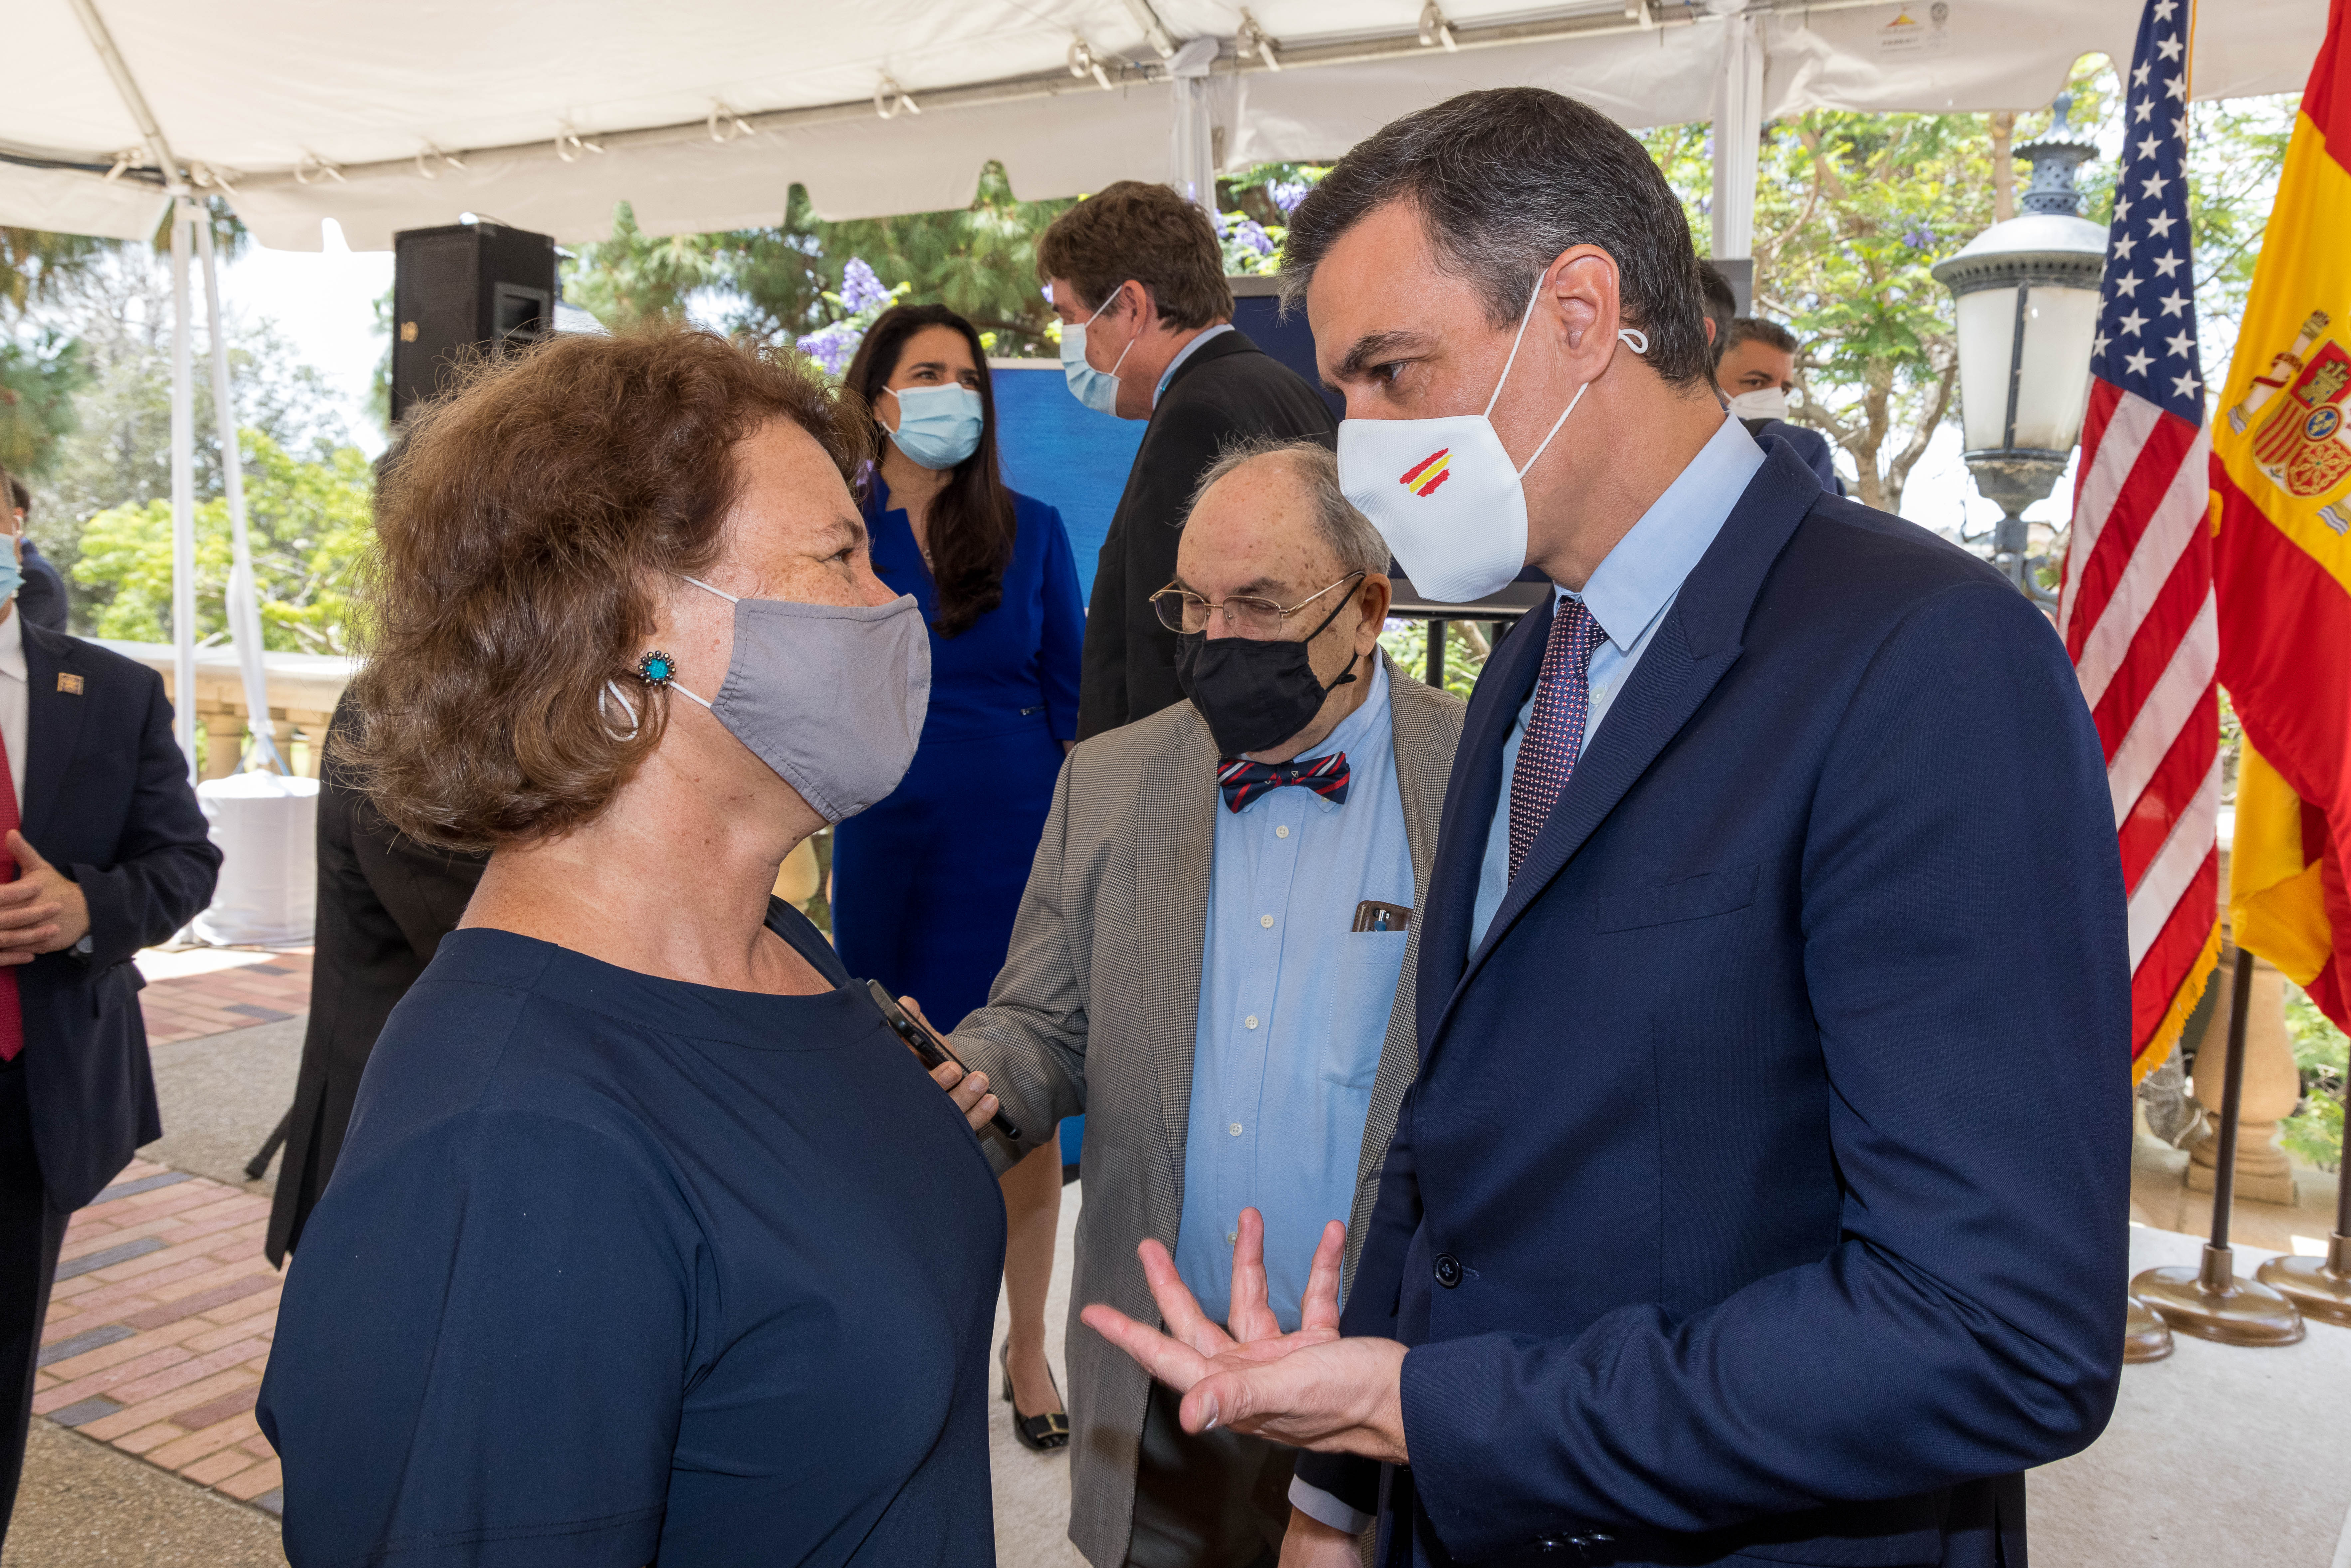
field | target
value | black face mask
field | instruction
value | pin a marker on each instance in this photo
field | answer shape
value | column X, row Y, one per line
column 1254, row 695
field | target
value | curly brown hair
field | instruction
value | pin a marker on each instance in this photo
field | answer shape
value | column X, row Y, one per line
column 519, row 523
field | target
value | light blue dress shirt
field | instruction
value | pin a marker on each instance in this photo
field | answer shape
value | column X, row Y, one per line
column 1293, row 1008
column 1184, row 353
column 1629, row 594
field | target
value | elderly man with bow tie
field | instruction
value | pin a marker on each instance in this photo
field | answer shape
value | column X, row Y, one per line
column 1213, row 963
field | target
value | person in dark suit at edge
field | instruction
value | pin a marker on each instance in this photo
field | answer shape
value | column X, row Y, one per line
column 1761, row 1196
column 105, row 852
column 1138, row 280
column 385, row 903
column 1755, row 370
column 41, row 597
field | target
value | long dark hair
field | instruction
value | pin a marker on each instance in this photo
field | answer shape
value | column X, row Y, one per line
column 971, row 523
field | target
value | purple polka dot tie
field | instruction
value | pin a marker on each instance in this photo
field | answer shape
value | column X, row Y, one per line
column 1554, row 737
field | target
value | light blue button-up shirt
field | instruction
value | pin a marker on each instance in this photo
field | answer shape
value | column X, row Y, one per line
column 1629, row 594
column 1184, row 353
column 1293, row 1008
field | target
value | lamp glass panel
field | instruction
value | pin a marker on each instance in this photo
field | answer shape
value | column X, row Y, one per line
column 1986, row 337
column 2055, row 387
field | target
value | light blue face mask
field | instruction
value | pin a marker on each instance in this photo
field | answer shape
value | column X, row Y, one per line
column 1098, row 390
column 12, row 571
column 938, row 427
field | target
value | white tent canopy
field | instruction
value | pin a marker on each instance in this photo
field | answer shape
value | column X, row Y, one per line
column 705, row 113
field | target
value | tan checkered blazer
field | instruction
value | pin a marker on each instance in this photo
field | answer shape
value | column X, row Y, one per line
column 1094, row 1014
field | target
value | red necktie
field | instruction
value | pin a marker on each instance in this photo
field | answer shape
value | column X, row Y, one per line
column 12, row 1008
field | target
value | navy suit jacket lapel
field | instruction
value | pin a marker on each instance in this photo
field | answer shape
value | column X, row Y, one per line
column 1697, row 644
column 52, row 725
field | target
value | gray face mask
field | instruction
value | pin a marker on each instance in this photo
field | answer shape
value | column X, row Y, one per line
column 832, row 696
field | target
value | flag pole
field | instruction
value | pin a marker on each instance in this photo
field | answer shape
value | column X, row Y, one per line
column 2321, row 1287
column 2209, row 1302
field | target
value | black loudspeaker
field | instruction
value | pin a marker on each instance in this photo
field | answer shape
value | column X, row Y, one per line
column 467, row 290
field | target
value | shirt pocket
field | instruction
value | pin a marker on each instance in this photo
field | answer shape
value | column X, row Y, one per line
column 1363, row 997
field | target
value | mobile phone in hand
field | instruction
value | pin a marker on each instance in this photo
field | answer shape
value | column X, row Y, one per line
column 929, row 1048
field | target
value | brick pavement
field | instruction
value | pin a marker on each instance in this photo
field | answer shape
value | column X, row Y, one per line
column 196, row 992
column 160, row 1327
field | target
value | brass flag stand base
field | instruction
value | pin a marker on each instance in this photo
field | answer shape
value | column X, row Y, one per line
column 2145, row 1337
column 2320, row 1287
column 2210, row 1302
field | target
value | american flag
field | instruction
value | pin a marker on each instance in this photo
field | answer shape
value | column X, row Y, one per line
column 2137, row 612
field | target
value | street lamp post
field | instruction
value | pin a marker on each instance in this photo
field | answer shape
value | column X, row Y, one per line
column 2027, row 297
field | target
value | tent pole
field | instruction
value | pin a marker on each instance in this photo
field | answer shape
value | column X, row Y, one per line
column 1738, row 138
column 183, row 499
column 244, row 596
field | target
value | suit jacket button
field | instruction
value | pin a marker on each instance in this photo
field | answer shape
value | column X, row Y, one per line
column 1449, row 1270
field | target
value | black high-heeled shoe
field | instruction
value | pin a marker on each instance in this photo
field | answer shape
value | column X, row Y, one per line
column 1039, row 1433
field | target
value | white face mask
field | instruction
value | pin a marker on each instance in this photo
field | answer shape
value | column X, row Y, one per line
column 1444, row 493
column 1098, row 390
column 1770, row 403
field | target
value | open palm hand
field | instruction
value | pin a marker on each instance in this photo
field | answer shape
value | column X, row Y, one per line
column 1311, row 1387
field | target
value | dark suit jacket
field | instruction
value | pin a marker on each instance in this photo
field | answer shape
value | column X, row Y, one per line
column 107, row 802
column 1808, row 445
column 1763, row 1195
column 41, row 599
column 1228, row 391
column 385, row 903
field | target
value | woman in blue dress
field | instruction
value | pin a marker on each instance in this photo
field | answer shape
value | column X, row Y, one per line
column 926, row 884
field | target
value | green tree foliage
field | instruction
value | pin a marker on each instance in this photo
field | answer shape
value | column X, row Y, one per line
column 38, row 380
column 34, row 264
column 310, row 523
column 771, row 285
column 2313, row 1133
column 119, row 452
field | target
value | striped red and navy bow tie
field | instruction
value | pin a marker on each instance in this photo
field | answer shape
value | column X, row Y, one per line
column 1243, row 780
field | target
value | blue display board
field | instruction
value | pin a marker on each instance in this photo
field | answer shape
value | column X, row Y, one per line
column 1063, row 453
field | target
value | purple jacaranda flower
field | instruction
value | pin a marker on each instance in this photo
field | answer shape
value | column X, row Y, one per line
column 832, row 347
column 859, row 288
column 1288, row 193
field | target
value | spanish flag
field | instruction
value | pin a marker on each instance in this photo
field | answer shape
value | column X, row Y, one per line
column 2281, row 540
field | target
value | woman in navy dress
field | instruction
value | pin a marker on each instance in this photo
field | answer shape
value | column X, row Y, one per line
column 925, row 885
column 649, row 1242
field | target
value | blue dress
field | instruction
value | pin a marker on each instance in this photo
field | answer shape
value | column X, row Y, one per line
column 925, row 884
column 617, row 1269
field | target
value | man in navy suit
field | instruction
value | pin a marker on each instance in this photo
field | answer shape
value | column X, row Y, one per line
column 104, row 852
column 1761, row 1197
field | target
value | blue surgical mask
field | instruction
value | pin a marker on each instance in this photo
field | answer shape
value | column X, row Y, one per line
column 1098, row 390
column 12, row 571
column 938, row 427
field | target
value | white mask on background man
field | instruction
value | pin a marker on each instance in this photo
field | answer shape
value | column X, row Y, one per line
column 1770, row 402
column 1444, row 493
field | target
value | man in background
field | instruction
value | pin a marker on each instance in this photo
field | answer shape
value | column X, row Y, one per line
column 1755, row 370
column 1138, row 280
column 89, row 875
column 41, row 597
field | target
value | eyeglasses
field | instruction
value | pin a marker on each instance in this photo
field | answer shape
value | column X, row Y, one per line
column 1181, row 610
